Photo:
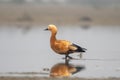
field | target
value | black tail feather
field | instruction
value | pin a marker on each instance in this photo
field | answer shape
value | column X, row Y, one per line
column 79, row 49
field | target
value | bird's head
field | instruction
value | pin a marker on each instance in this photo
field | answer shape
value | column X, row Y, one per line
column 51, row 27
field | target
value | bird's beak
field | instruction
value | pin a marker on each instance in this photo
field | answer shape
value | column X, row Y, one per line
column 46, row 29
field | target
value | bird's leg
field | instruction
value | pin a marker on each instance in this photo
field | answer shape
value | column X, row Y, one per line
column 70, row 57
column 81, row 55
column 67, row 61
column 67, row 56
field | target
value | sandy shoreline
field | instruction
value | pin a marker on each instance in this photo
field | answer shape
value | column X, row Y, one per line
column 48, row 78
column 61, row 15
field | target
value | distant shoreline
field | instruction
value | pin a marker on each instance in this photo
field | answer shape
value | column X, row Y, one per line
column 61, row 15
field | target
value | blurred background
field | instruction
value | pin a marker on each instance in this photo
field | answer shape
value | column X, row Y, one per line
column 92, row 24
column 64, row 12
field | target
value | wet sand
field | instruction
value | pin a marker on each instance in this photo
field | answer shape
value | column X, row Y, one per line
column 62, row 15
column 48, row 78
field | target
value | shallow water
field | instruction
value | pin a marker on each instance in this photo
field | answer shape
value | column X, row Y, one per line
column 27, row 50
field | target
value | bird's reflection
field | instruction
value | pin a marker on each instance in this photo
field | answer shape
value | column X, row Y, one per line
column 65, row 69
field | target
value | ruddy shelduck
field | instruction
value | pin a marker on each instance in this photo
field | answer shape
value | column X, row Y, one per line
column 62, row 47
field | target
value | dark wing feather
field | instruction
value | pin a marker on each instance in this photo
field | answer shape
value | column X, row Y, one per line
column 79, row 49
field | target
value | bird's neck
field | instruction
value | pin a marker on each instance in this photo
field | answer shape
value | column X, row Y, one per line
column 53, row 37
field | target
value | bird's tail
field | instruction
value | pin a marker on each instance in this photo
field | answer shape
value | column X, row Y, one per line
column 84, row 49
column 80, row 49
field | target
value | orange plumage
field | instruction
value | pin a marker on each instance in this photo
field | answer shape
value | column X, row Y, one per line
column 62, row 46
column 64, row 70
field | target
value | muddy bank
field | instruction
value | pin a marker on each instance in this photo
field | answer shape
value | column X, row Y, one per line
column 47, row 78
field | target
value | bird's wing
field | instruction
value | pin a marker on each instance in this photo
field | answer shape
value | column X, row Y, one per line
column 62, row 46
column 76, row 48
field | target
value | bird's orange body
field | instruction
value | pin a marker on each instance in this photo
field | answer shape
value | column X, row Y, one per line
column 62, row 46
